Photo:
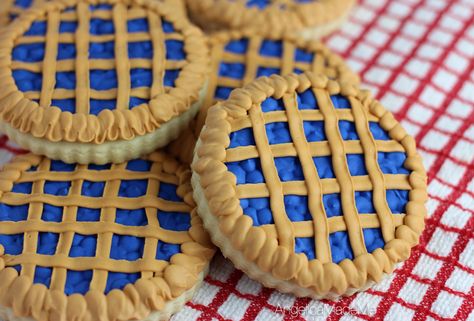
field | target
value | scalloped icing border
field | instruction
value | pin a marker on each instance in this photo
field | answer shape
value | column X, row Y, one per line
column 135, row 301
column 305, row 17
column 219, row 187
column 110, row 125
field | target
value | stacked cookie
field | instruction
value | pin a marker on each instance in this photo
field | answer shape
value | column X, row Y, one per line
column 302, row 179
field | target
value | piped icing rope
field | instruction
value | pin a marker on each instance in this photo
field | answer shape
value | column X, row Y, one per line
column 158, row 65
column 259, row 243
column 160, row 280
column 324, row 62
column 275, row 189
column 341, row 171
column 49, row 122
column 278, row 17
column 376, row 175
column 82, row 93
column 314, row 187
column 121, row 56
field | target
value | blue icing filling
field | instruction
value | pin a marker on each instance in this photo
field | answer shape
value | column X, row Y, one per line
column 57, row 188
column 126, row 247
column 93, row 189
column 22, row 188
column 348, row 130
column 83, row 246
column 340, row 102
column 23, row 3
column 297, row 208
column 237, row 46
column 140, row 25
column 248, row 171
column 12, row 244
column 267, row 71
column 174, row 221
column 278, row 133
column 373, row 239
column 340, row 247
column 356, row 164
column 58, row 166
column 104, row 167
column 133, row 188
column 314, row 131
column 303, row 55
column 131, row 217
column 397, row 200
column 232, row 70
column 242, row 137
column 307, row 100
column 258, row 209
column 52, row 213
column 47, row 243
column 324, row 167
column 378, row 132
column 77, row 282
column 222, row 93
column 271, row 48
column 85, row 214
column 289, row 169
column 169, row 192
column 392, row 163
column 139, row 165
column 165, row 250
column 272, row 104
column 261, row 4
column 306, row 246
column 364, row 202
column 116, row 280
column 332, row 204
column 43, row 275
column 13, row 213
column 100, row 80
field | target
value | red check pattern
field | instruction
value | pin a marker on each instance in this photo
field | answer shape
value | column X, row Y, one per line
column 417, row 56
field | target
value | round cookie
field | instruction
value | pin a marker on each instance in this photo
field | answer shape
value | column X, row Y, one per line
column 309, row 18
column 309, row 185
column 238, row 57
column 98, row 242
column 86, row 82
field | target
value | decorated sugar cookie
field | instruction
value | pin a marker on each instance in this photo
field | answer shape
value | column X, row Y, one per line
column 307, row 18
column 98, row 242
column 238, row 57
column 99, row 82
column 309, row 185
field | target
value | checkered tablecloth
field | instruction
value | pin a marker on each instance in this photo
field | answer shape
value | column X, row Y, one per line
column 417, row 56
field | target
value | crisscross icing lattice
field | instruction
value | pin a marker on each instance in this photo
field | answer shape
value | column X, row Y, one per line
column 120, row 14
column 313, row 186
column 323, row 61
column 101, row 264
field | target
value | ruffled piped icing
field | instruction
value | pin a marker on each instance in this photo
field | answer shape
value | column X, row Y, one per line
column 272, row 249
column 39, row 117
column 269, row 19
column 134, row 299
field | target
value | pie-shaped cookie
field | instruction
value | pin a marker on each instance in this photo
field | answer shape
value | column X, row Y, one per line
column 98, row 242
column 307, row 18
column 85, row 82
column 309, row 185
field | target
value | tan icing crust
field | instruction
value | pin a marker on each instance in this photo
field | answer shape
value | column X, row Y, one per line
column 120, row 124
column 136, row 301
column 258, row 244
column 235, row 15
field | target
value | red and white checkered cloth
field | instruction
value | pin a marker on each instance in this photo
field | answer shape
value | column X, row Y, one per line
column 417, row 56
